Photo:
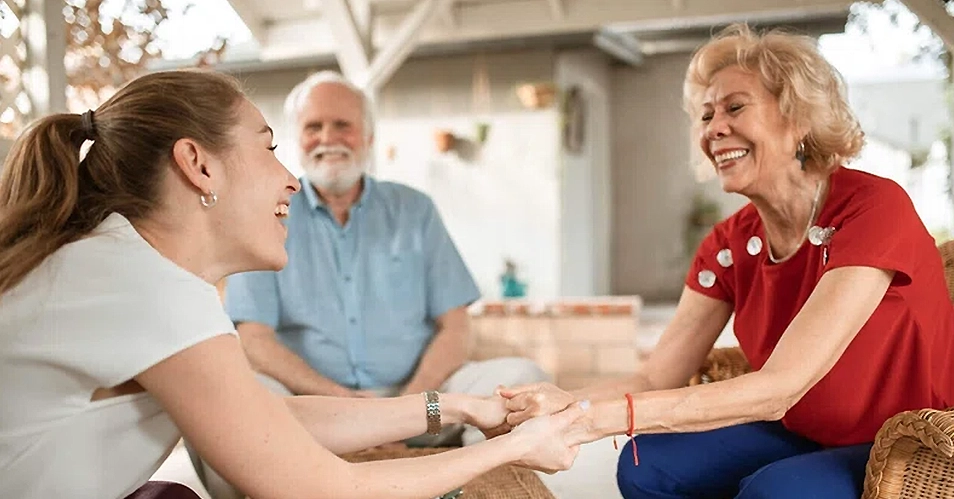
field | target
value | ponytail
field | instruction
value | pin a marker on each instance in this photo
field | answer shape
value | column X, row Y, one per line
column 49, row 198
column 39, row 189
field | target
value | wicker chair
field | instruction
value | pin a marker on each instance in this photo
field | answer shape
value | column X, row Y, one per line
column 913, row 453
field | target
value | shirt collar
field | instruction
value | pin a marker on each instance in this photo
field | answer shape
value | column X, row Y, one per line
column 315, row 202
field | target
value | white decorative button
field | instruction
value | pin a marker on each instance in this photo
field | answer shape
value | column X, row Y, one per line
column 754, row 246
column 707, row 278
column 819, row 236
column 724, row 257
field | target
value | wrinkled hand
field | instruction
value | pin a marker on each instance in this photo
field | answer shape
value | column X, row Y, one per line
column 552, row 442
column 537, row 399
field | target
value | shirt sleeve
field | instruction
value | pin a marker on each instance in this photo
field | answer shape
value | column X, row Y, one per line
column 179, row 315
column 879, row 230
column 132, row 321
column 253, row 297
column 449, row 282
column 711, row 270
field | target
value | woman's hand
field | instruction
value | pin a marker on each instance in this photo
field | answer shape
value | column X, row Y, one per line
column 538, row 399
column 488, row 414
column 550, row 443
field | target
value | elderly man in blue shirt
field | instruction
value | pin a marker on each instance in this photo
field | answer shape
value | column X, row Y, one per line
column 373, row 300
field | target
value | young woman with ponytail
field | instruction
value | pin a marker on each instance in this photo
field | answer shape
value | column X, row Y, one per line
column 113, row 343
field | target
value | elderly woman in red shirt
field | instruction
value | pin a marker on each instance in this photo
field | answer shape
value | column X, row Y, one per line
column 837, row 289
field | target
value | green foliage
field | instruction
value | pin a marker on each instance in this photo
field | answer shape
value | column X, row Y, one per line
column 703, row 215
column 110, row 42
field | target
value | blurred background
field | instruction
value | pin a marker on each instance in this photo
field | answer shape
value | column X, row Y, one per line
column 549, row 132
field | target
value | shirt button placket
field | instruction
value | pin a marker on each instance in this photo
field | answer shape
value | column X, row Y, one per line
column 351, row 307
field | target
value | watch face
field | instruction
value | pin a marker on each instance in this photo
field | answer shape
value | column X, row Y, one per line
column 453, row 494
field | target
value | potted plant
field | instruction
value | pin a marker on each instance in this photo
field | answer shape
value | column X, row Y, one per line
column 444, row 140
column 482, row 130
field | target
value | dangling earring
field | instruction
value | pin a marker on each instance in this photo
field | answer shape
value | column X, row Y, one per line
column 208, row 200
column 800, row 154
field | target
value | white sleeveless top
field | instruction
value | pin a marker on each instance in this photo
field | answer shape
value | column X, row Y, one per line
column 93, row 315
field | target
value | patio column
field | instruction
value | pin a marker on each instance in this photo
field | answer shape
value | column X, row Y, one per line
column 44, row 30
column 31, row 63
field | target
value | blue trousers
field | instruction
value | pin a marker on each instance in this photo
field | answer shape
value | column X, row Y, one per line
column 749, row 461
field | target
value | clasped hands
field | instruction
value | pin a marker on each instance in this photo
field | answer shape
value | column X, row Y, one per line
column 551, row 422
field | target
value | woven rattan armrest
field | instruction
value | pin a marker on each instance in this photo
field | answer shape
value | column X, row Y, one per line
column 720, row 365
column 913, row 453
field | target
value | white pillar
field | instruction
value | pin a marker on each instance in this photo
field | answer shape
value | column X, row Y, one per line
column 44, row 30
column 586, row 184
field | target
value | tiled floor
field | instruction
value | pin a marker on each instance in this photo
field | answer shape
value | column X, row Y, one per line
column 592, row 476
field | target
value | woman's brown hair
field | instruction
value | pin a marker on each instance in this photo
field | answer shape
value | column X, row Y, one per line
column 49, row 198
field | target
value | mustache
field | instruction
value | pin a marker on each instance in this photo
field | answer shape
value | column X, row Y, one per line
column 333, row 149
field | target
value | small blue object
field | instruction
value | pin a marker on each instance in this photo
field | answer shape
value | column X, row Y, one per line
column 512, row 288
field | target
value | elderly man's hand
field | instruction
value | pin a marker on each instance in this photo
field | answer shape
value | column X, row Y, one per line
column 528, row 401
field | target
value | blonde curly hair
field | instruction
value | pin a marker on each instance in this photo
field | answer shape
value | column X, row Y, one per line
column 811, row 93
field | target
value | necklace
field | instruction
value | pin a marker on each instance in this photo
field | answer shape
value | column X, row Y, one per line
column 811, row 220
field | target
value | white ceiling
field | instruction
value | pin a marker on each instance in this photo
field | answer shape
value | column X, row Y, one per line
column 295, row 28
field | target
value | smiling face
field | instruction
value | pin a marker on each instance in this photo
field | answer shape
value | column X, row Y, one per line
column 254, row 203
column 333, row 143
column 743, row 132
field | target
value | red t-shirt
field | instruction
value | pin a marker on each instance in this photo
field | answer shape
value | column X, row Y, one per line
column 901, row 358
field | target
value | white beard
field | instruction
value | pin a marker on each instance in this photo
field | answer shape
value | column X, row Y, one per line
column 333, row 177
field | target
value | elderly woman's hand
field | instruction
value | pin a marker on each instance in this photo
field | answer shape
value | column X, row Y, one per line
column 528, row 401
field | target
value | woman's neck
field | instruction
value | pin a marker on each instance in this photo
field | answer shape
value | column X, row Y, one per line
column 187, row 240
column 788, row 207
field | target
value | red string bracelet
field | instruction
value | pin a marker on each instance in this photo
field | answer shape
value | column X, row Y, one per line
column 631, row 411
column 631, row 414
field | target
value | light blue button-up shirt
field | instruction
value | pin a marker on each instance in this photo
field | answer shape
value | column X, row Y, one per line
column 358, row 302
